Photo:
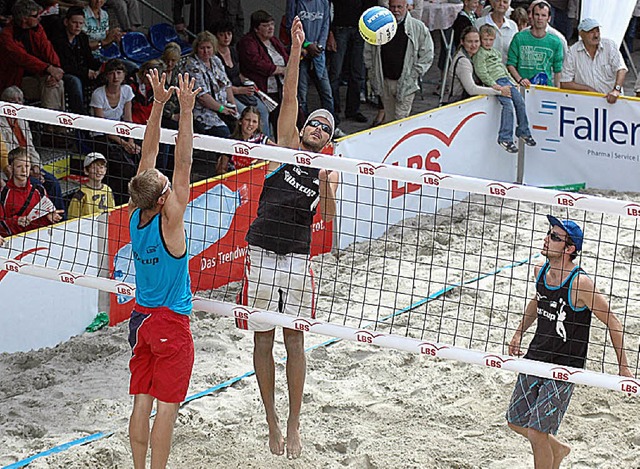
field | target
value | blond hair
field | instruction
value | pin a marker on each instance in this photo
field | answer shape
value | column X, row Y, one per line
column 145, row 189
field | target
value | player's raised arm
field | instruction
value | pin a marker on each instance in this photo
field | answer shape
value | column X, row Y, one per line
column 287, row 131
column 151, row 141
column 184, row 141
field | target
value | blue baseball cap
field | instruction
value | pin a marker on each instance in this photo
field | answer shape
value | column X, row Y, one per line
column 572, row 229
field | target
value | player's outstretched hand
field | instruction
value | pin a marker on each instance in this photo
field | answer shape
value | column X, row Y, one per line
column 186, row 93
column 297, row 33
column 160, row 94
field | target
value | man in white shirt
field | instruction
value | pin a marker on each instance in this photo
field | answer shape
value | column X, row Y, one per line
column 505, row 28
column 594, row 63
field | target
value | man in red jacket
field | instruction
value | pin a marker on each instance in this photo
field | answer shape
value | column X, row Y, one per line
column 23, row 206
column 29, row 60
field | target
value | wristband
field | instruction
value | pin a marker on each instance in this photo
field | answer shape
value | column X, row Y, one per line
column 305, row 44
column 221, row 108
column 158, row 101
column 520, row 81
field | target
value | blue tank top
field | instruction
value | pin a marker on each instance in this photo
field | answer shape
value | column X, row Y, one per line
column 161, row 278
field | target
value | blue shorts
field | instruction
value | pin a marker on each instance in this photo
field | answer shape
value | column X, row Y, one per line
column 539, row 403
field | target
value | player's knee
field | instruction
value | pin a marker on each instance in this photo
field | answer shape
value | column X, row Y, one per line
column 294, row 341
column 536, row 437
column 263, row 341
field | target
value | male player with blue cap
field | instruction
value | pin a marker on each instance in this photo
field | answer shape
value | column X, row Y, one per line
column 565, row 299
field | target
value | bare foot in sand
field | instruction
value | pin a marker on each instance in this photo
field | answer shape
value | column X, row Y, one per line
column 294, row 442
column 276, row 441
column 559, row 453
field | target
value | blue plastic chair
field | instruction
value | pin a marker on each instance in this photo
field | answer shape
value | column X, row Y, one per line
column 163, row 33
column 137, row 49
column 112, row 51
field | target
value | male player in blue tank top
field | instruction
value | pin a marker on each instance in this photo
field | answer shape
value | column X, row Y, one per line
column 278, row 274
column 565, row 298
column 159, row 332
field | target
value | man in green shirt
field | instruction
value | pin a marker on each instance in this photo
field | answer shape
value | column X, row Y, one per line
column 534, row 54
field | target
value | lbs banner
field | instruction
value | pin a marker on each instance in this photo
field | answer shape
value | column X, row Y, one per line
column 459, row 139
column 583, row 140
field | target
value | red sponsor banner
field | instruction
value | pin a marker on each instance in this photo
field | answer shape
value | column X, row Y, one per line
column 223, row 261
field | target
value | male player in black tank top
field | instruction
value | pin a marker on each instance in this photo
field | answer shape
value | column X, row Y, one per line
column 565, row 298
column 277, row 270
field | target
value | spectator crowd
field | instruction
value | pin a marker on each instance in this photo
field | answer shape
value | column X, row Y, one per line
column 67, row 56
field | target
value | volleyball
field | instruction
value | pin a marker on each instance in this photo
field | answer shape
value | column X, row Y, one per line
column 377, row 26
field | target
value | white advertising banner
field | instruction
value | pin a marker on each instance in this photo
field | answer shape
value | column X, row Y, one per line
column 583, row 140
column 38, row 312
column 460, row 139
column 614, row 20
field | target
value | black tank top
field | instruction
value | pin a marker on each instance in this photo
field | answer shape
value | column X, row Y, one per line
column 288, row 202
column 562, row 333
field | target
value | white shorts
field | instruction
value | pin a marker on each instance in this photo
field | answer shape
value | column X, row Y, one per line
column 279, row 283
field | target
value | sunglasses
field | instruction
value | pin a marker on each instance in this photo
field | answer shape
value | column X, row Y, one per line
column 555, row 237
column 166, row 187
column 326, row 128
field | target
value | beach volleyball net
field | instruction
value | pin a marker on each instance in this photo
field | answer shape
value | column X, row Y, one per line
column 445, row 271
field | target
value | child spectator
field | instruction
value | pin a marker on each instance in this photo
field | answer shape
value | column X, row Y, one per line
column 24, row 206
column 94, row 197
column 248, row 129
column 488, row 66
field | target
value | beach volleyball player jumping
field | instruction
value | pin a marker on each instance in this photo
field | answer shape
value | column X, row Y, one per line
column 278, row 274
column 159, row 330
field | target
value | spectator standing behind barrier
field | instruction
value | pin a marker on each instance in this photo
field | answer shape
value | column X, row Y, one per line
column 113, row 101
column 396, row 68
column 214, row 11
column 315, row 18
column 506, row 28
column 17, row 133
column 594, row 63
column 215, row 107
column 415, row 7
column 536, row 56
column 24, row 206
column 560, row 17
column 349, row 52
column 127, row 13
column 550, row 29
column 263, row 59
column 80, row 67
column 29, row 60
column 97, row 27
column 244, row 90
column 93, row 197
column 487, row 63
column 467, row 17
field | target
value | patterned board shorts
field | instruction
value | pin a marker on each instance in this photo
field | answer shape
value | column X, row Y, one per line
column 539, row 403
column 279, row 283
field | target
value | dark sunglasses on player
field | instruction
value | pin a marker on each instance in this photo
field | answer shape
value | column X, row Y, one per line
column 326, row 128
column 555, row 237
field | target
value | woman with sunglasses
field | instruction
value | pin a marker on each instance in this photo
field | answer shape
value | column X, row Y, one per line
column 279, row 246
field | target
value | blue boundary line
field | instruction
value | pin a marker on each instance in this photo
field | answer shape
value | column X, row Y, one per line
column 225, row 384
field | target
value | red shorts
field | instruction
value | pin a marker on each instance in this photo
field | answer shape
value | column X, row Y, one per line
column 162, row 353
